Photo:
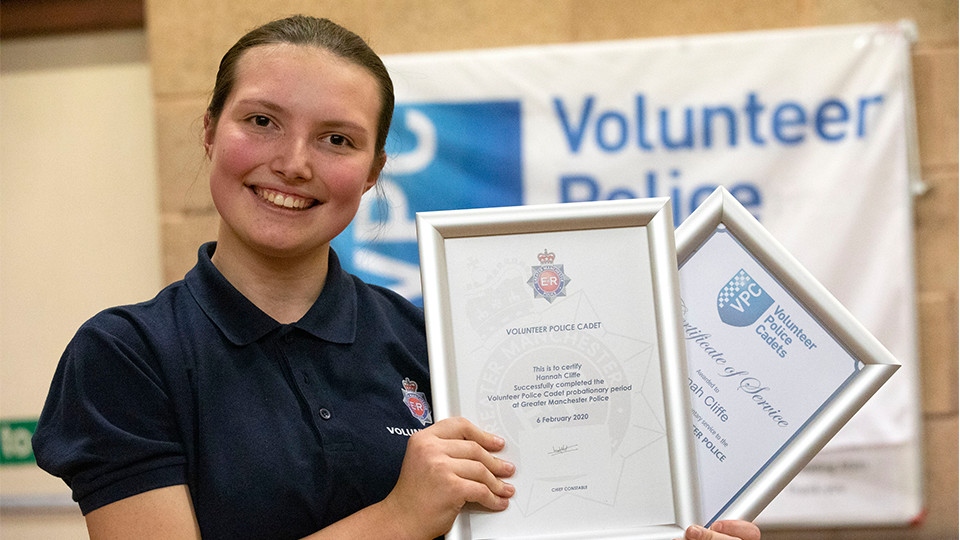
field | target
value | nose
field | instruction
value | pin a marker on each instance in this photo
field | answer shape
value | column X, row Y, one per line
column 292, row 160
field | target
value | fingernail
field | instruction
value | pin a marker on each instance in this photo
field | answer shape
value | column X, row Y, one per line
column 694, row 532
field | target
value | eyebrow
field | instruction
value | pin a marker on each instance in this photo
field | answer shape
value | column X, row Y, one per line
column 261, row 103
column 275, row 108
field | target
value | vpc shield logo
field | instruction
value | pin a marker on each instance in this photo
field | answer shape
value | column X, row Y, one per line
column 440, row 156
column 742, row 300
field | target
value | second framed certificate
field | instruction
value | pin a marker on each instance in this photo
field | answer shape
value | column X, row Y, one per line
column 777, row 365
column 557, row 327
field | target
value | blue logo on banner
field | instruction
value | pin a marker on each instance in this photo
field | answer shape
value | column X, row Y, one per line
column 742, row 301
column 440, row 156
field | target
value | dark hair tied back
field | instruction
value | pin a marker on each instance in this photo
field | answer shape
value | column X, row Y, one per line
column 312, row 31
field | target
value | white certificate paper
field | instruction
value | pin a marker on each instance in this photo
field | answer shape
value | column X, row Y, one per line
column 564, row 380
column 556, row 346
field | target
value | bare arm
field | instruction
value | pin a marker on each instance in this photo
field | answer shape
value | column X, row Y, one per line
column 157, row 514
column 166, row 513
column 446, row 466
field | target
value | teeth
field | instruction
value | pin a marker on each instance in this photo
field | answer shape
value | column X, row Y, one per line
column 288, row 201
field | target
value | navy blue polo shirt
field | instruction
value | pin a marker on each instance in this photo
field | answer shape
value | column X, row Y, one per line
column 278, row 429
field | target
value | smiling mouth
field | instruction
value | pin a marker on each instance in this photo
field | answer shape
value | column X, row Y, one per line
column 284, row 200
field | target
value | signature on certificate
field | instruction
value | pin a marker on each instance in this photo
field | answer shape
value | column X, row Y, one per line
column 557, row 450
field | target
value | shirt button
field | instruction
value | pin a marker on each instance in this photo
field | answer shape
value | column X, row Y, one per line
column 324, row 413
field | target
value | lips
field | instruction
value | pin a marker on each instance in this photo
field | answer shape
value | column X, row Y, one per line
column 284, row 200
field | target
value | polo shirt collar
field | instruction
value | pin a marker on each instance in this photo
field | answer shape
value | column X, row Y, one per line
column 333, row 317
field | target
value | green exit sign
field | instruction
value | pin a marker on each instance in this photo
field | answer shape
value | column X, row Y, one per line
column 15, row 448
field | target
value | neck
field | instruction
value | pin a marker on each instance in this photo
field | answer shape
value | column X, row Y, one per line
column 283, row 287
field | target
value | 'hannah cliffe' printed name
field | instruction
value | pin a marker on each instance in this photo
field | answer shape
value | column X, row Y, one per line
column 521, row 330
column 748, row 384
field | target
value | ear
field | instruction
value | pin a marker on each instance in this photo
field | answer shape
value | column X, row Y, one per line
column 375, row 170
column 209, row 131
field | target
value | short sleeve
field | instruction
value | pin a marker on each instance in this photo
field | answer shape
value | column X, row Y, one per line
column 108, row 427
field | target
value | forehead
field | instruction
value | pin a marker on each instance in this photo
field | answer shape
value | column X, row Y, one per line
column 304, row 75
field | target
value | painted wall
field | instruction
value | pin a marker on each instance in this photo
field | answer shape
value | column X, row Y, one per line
column 78, row 225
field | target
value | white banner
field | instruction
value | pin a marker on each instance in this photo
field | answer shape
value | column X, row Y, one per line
column 812, row 131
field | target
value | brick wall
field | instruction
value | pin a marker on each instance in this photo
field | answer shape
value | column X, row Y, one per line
column 187, row 38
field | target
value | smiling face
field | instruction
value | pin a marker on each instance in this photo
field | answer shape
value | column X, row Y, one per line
column 292, row 151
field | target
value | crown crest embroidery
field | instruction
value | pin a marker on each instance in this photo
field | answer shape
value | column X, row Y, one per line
column 416, row 401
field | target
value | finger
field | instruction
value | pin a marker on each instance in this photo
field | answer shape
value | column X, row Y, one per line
column 481, row 487
column 461, row 428
column 470, row 450
column 724, row 530
column 475, row 471
column 474, row 443
column 736, row 528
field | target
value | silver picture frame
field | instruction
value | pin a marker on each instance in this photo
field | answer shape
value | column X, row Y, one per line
column 722, row 215
column 464, row 251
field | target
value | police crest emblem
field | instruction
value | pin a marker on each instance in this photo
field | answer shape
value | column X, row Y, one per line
column 416, row 402
column 548, row 280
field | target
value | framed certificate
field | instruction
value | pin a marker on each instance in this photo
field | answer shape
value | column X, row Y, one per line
column 776, row 365
column 557, row 327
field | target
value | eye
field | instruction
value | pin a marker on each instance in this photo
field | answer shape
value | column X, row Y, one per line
column 260, row 120
column 338, row 140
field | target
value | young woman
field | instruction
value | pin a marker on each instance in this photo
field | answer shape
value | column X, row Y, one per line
column 268, row 393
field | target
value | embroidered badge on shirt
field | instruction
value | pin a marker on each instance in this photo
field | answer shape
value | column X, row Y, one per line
column 416, row 402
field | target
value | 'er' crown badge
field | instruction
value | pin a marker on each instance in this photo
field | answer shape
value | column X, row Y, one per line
column 416, row 402
column 548, row 280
